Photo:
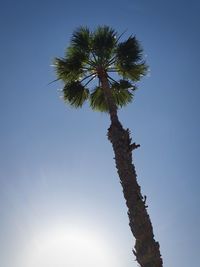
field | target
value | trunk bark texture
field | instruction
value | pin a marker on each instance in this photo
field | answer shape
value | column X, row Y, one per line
column 147, row 251
column 109, row 98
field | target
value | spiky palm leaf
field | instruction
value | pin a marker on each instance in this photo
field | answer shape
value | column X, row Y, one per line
column 81, row 39
column 103, row 43
column 93, row 53
column 75, row 94
column 129, row 51
column 129, row 60
column 122, row 92
column 133, row 72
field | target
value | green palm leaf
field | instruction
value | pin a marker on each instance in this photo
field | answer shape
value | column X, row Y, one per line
column 129, row 51
column 122, row 85
column 122, row 93
column 81, row 39
column 133, row 72
column 75, row 94
column 128, row 60
column 69, row 69
column 103, row 42
column 122, row 97
column 98, row 101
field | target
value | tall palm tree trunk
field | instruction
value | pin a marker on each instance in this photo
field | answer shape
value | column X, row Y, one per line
column 146, row 250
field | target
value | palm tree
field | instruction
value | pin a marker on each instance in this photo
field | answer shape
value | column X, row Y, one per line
column 116, row 66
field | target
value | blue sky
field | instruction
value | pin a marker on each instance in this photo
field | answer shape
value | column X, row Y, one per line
column 56, row 164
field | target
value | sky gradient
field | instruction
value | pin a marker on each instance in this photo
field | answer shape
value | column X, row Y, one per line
column 56, row 164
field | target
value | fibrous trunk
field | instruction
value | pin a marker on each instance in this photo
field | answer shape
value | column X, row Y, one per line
column 146, row 250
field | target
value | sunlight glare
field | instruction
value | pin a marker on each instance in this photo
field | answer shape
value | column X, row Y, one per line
column 69, row 246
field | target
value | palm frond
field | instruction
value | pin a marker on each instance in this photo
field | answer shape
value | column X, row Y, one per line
column 81, row 39
column 122, row 85
column 75, row 94
column 133, row 72
column 129, row 52
column 69, row 69
column 61, row 68
column 77, row 54
column 98, row 101
column 122, row 93
column 103, row 42
column 122, row 97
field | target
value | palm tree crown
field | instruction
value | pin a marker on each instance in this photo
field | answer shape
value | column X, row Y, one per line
column 100, row 54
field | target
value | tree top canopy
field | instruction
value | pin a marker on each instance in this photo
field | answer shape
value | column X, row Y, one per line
column 92, row 55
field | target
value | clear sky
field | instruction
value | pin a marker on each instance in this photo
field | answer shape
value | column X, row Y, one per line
column 61, row 202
